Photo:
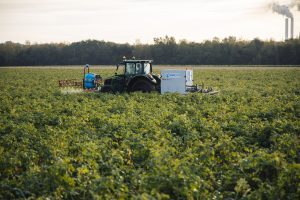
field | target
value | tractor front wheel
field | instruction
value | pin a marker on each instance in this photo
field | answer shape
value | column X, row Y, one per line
column 107, row 89
column 142, row 86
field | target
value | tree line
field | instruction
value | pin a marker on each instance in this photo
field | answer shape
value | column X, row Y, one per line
column 164, row 50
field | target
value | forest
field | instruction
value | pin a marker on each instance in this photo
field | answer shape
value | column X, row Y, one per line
column 164, row 50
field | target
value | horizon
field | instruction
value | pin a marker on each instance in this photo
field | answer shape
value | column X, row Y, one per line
column 178, row 41
column 66, row 21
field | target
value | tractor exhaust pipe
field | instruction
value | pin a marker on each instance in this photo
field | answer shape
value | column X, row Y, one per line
column 292, row 27
column 286, row 28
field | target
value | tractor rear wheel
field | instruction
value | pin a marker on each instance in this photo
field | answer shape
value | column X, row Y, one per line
column 142, row 86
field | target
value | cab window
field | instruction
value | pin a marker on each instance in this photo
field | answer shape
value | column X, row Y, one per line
column 139, row 68
column 130, row 68
column 147, row 69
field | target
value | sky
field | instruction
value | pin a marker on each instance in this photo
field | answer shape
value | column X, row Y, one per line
column 133, row 21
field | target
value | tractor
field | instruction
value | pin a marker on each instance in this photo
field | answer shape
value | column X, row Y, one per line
column 136, row 75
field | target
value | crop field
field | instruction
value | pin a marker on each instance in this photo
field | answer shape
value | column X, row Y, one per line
column 240, row 144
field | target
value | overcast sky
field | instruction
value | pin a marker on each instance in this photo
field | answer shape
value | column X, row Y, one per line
column 131, row 20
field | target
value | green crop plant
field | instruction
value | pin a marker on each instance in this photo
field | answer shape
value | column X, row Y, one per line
column 240, row 144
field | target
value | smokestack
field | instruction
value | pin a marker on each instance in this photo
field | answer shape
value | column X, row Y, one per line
column 286, row 28
column 292, row 28
column 285, row 11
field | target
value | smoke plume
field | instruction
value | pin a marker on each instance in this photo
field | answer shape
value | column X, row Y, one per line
column 282, row 9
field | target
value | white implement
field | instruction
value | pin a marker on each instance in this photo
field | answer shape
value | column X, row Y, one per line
column 180, row 81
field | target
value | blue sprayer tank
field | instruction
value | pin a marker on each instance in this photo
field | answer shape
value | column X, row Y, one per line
column 89, row 81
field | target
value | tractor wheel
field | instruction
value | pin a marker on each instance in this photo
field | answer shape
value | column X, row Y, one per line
column 142, row 86
column 107, row 89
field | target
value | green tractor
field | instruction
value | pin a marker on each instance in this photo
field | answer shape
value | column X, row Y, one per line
column 136, row 75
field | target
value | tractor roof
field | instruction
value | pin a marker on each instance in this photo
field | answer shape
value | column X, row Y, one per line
column 135, row 61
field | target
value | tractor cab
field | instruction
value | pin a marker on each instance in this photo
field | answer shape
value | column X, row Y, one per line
column 135, row 75
column 136, row 67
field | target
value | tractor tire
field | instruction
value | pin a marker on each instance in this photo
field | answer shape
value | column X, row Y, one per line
column 106, row 89
column 142, row 86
